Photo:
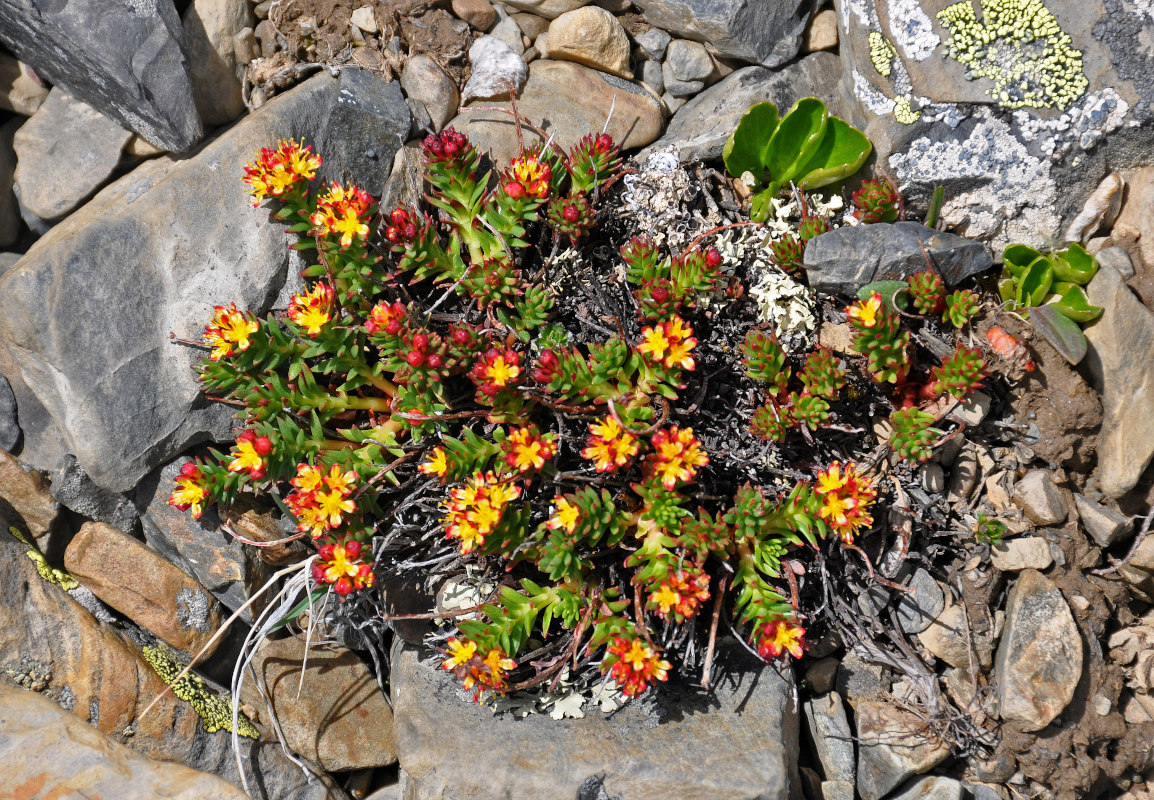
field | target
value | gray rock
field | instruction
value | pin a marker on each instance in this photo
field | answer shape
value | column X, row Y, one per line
column 531, row 25
column 1039, row 498
column 673, row 104
column 1039, row 659
column 21, row 89
column 832, row 738
column 9, row 208
column 964, row 475
column 892, row 746
column 8, row 261
column 747, row 731
column 1105, row 525
column 128, row 60
column 509, row 32
column 917, row 610
column 679, row 88
column 95, row 350
column 950, row 637
column 859, row 680
column 496, row 68
column 822, row 674
column 424, row 81
column 66, row 151
column 688, row 61
column 1121, row 360
column 975, row 408
column 934, row 787
column 9, row 421
column 550, row 9
column 198, row 546
column 406, row 182
column 762, row 33
column 1026, row 552
column 845, row 259
column 74, row 490
column 933, row 477
column 1117, row 259
column 651, row 75
column 837, row 790
column 210, row 28
column 699, row 129
column 368, row 124
column 653, row 41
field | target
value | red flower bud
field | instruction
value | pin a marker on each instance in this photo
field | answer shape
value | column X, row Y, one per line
column 547, row 359
column 262, row 445
column 514, row 190
column 257, row 473
column 318, row 573
column 399, row 217
column 713, row 257
column 353, row 550
column 570, row 213
column 415, row 359
column 343, row 586
column 421, row 341
column 393, row 327
column 462, row 336
column 659, row 294
column 190, row 470
column 604, row 141
column 326, row 552
column 392, row 234
column 410, row 231
column 435, row 361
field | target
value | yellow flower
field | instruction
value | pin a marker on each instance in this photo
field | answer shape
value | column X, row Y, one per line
column 338, row 481
column 188, row 494
column 459, row 653
column 308, row 478
column 438, row 463
column 339, row 565
column 312, row 310
column 665, row 598
column 245, row 458
column 610, row 445
column 654, row 343
column 502, row 372
column 866, row 313
column 526, row 449
column 332, row 506
column 475, row 510
column 230, row 330
column 565, row 515
column 781, row 636
column 677, row 456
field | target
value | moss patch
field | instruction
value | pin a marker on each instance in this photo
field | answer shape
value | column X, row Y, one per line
column 214, row 710
column 46, row 570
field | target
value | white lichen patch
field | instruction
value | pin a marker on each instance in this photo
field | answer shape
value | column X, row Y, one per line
column 1083, row 126
column 1016, row 195
column 873, row 100
column 912, row 29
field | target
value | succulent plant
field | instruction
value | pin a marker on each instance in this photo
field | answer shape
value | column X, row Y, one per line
column 809, row 409
column 812, row 226
column 959, row 373
column 912, row 437
column 764, row 360
column 989, row 531
column 881, row 338
column 823, row 374
column 877, row 201
column 961, row 307
column 927, row 292
column 787, row 253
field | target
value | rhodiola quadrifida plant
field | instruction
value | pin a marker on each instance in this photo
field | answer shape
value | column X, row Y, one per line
column 505, row 387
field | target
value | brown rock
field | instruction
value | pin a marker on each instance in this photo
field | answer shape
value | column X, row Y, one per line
column 140, row 147
column 949, row 636
column 571, row 101
column 822, row 31
column 26, row 491
column 21, row 89
column 550, row 9
column 48, row 752
column 1137, row 218
column 593, row 37
column 209, row 29
column 480, row 14
column 1027, row 552
column 340, row 718
column 143, row 586
column 425, row 82
column 892, row 745
column 1039, row 659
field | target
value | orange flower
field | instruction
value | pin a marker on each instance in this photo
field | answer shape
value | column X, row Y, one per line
column 845, row 500
column 866, row 313
column 526, row 450
column 277, row 171
column 565, row 515
column 386, row 318
column 781, row 636
column 486, row 672
column 438, row 463
column 342, row 210
column 635, row 665
column 312, row 310
column 340, row 566
column 677, row 456
column 249, row 453
column 475, row 509
column 496, row 370
column 681, row 593
column 528, row 176
column 610, row 446
column 669, row 344
column 321, row 501
column 229, row 331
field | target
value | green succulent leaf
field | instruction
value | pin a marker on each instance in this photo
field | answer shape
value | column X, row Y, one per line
column 1034, row 284
column 888, row 290
column 1006, row 289
column 1017, row 257
column 746, row 148
column 1075, row 265
column 797, row 136
column 1073, row 303
column 839, row 154
column 1060, row 331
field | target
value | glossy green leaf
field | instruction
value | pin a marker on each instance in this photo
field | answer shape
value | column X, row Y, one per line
column 887, row 289
column 1074, row 304
column 745, row 150
column 840, row 153
column 1006, row 289
column 797, row 136
column 1060, row 331
column 760, row 206
column 1017, row 257
column 1074, row 264
column 1034, row 284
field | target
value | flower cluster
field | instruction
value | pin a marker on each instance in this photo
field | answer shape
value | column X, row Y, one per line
column 610, row 446
column 487, row 672
column 343, row 211
column 495, row 371
column 474, row 510
column 633, row 665
column 341, row 566
column 676, row 456
column 321, row 502
column 780, row 636
column 189, row 492
column 670, row 344
column 528, row 177
column 276, row 173
column 526, row 450
column 680, row 594
column 845, row 500
column 312, row 310
column 249, row 455
column 230, row 331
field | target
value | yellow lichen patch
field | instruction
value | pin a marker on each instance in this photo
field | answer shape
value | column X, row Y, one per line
column 903, row 113
column 46, row 570
column 1018, row 45
column 214, row 710
column 882, row 53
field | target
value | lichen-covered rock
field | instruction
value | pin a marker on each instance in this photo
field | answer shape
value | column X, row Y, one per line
column 893, row 745
column 51, row 753
column 144, row 587
column 1018, row 109
column 762, row 33
column 739, row 743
